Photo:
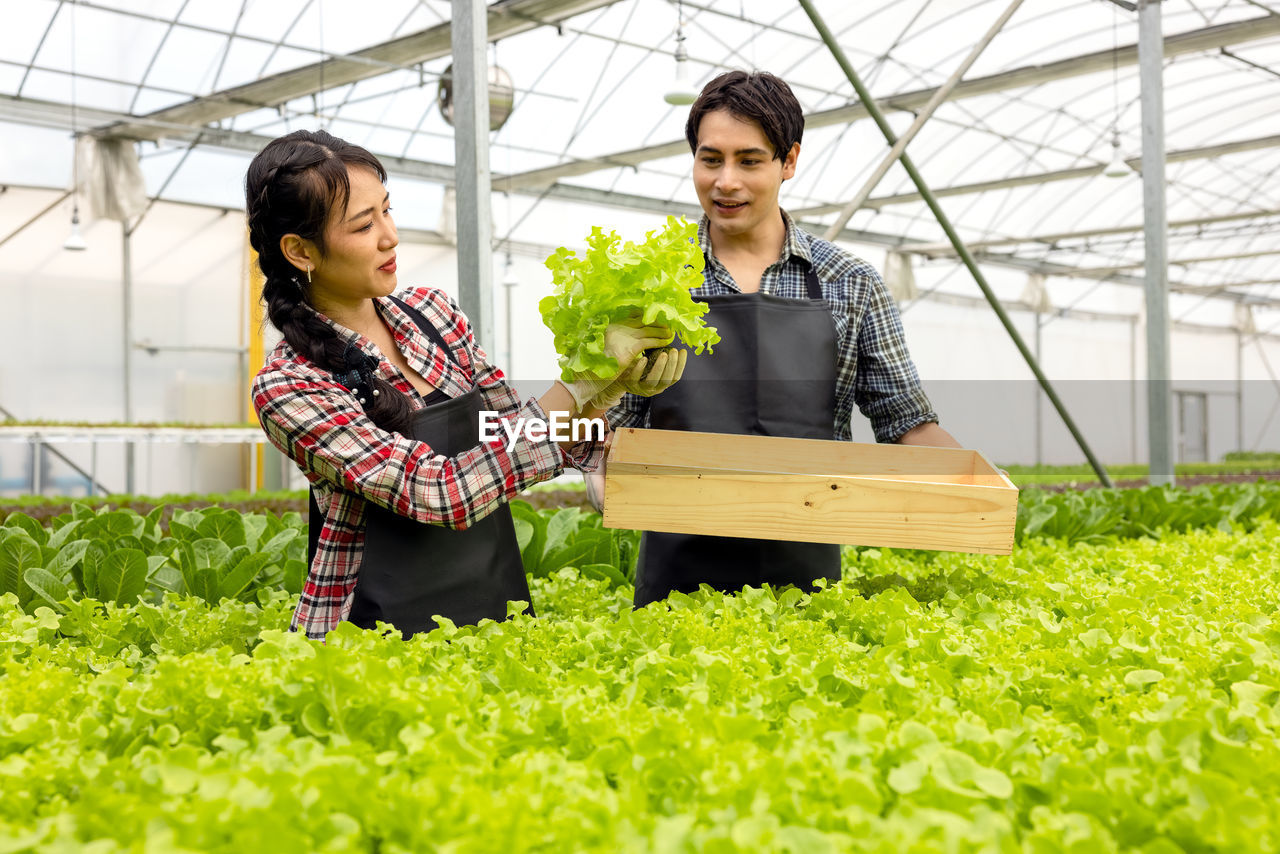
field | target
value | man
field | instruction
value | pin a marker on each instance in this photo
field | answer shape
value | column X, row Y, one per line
column 807, row 331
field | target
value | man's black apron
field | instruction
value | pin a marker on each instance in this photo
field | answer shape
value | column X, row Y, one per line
column 413, row 570
column 772, row 374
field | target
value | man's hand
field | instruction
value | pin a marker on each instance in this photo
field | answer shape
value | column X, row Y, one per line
column 625, row 342
column 665, row 370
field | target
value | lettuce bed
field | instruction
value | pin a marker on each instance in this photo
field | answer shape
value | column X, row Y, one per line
column 1091, row 697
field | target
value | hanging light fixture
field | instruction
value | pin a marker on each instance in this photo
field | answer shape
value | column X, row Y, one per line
column 502, row 96
column 509, row 279
column 681, row 91
column 75, row 240
column 1116, row 167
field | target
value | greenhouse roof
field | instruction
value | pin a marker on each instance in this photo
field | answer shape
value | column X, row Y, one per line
column 1015, row 152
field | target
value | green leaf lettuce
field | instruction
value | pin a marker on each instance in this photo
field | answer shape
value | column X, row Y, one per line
column 613, row 280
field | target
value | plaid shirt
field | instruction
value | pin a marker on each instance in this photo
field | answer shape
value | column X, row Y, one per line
column 321, row 426
column 873, row 369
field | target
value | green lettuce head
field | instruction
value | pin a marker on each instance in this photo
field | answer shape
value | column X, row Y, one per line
column 613, row 281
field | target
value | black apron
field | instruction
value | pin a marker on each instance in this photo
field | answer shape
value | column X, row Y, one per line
column 772, row 374
column 413, row 570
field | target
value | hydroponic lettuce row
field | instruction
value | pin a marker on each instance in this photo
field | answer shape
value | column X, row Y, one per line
column 116, row 554
column 1086, row 698
column 1087, row 693
column 215, row 553
column 614, row 280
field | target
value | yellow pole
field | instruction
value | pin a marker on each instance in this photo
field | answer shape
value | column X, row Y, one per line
column 256, row 351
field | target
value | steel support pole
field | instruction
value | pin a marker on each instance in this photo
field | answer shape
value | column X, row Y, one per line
column 126, row 310
column 1155, row 236
column 469, row 33
column 1239, row 390
column 510, row 357
column 923, row 116
column 1039, row 408
column 1133, row 389
column 874, row 111
column 1275, row 381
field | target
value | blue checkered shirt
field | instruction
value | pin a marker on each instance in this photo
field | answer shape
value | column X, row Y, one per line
column 873, row 368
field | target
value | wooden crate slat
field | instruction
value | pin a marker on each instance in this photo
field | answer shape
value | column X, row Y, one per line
column 806, row 456
column 795, row 489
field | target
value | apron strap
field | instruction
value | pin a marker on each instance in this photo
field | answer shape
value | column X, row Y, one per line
column 811, row 283
column 315, row 521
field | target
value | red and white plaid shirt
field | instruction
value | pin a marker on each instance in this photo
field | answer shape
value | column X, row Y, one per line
column 320, row 425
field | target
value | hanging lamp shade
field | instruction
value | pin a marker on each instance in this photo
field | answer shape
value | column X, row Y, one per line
column 1117, row 167
column 75, row 241
column 681, row 91
column 502, row 94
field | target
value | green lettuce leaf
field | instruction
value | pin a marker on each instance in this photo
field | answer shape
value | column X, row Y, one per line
column 614, row 280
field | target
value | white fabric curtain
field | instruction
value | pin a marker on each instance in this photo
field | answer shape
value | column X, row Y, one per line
column 899, row 276
column 110, row 177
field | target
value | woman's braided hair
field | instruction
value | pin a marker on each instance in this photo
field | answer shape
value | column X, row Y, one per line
column 292, row 187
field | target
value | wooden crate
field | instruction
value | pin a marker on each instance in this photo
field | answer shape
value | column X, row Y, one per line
column 807, row 490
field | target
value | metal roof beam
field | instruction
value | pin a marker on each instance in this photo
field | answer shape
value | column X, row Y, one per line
column 1079, row 314
column 1201, row 153
column 1100, row 272
column 46, row 114
column 588, row 195
column 940, row 250
column 1212, row 290
column 57, row 116
column 1194, row 41
column 895, row 153
column 506, row 18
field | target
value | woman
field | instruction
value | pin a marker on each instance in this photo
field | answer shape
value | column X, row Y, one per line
column 377, row 400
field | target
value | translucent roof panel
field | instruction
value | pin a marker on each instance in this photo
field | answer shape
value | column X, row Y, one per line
column 1014, row 153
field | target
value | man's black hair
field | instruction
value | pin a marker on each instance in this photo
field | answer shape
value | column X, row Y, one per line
column 758, row 96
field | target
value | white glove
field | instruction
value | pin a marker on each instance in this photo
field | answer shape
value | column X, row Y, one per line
column 595, row 489
column 665, row 370
column 625, row 342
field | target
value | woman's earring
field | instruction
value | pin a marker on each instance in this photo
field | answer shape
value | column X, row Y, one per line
column 308, row 274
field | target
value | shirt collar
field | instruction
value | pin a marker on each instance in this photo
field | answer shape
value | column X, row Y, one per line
column 794, row 245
